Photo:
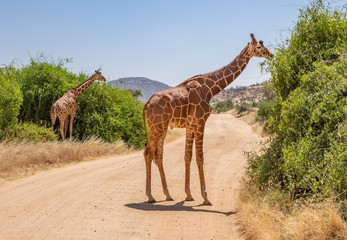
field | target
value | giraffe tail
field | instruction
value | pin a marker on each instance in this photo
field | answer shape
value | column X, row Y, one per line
column 144, row 121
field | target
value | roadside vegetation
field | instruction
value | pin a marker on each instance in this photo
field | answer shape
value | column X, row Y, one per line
column 299, row 178
column 108, row 119
column 223, row 106
column 104, row 111
column 227, row 105
column 20, row 159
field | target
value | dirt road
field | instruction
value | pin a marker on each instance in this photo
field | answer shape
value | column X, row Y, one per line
column 105, row 199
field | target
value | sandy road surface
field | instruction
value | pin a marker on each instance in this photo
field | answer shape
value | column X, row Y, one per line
column 104, row 199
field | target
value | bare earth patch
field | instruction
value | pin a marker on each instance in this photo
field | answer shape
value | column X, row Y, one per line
column 249, row 118
column 105, row 198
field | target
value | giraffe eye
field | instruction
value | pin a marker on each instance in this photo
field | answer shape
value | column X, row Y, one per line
column 259, row 47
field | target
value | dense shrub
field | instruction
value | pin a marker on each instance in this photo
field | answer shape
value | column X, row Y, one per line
column 308, row 151
column 223, row 106
column 10, row 98
column 110, row 113
column 244, row 107
column 320, row 34
column 29, row 132
column 42, row 83
column 266, row 109
column 104, row 111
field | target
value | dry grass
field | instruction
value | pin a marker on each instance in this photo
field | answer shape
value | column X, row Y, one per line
column 274, row 216
column 25, row 158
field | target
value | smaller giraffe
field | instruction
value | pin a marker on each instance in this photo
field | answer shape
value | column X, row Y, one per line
column 67, row 105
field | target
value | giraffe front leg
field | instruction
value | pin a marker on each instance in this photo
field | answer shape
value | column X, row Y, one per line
column 188, row 159
column 200, row 162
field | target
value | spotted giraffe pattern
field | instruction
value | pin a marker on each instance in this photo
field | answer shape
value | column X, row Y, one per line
column 187, row 106
column 66, row 105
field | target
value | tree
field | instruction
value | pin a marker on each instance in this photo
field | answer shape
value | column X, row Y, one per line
column 309, row 75
column 319, row 35
column 104, row 111
column 136, row 93
column 10, row 97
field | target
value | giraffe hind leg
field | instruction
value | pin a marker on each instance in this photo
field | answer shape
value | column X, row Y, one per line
column 53, row 118
column 149, row 155
column 159, row 162
column 65, row 126
column 71, row 124
column 188, row 159
column 62, row 122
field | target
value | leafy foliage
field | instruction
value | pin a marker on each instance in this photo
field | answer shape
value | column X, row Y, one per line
column 223, row 106
column 110, row 113
column 29, row 132
column 10, row 98
column 42, row 83
column 320, row 34
column 242, row 108
column 136, row 93
column 308, row 152
column 103, row 111
column 266, row 109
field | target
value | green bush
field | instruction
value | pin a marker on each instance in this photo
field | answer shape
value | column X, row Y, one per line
column 42, row 83
column 319, row 35
column 223, row 106
column 311, row 118
column 308, row 151
column 266, row 109
column 28, row 132
column 103, row 111
column 242, row 108
column 110, row 113
column 10, row 98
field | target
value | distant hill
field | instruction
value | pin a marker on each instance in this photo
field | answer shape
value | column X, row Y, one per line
column 254, row 93
column 249, row 94
column 147, row 86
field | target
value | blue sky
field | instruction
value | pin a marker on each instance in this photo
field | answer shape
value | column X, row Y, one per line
column 168, row 41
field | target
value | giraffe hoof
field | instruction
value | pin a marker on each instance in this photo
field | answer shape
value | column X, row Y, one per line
column 169, row 199
column 189, row 199
column 207, row 203
column 151, row 200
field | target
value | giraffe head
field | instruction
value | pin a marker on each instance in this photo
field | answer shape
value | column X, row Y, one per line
column 98, row 76
column 258, row 49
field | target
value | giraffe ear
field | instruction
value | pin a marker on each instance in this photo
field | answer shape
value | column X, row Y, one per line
column 254, row 41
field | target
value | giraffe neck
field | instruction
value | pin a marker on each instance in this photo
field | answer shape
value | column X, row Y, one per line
column 220, row 79
column 83, row 86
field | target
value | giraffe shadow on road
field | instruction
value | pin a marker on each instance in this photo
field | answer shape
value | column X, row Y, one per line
column 178, row 207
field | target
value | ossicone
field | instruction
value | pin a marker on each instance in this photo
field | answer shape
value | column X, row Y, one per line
column 254, row 41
